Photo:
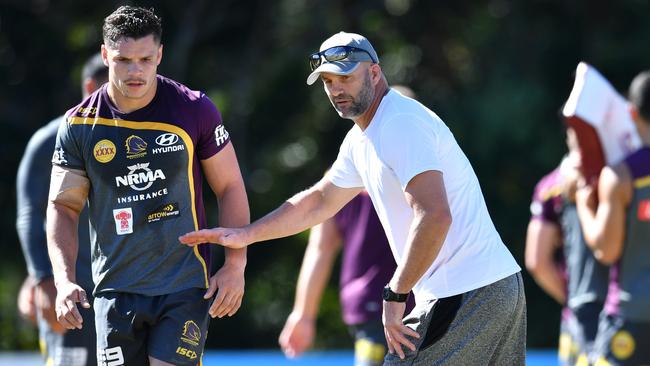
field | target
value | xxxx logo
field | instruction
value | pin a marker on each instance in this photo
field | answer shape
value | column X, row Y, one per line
column 104, row 151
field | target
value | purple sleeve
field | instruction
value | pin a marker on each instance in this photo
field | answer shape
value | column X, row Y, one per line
column 546, row 201
column 212, row 133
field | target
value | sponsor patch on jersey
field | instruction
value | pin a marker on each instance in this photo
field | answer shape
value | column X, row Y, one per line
column 622, row 345
column 191, row 333
column 123, row 220
column 140, row 177
column 220, row 135
column 136, row 147
column 167, row 142
column 143, row 196
column 59, row 157
column 164, row 212
column 87, row 111
column 643, row 214
column 167, row 139
column 104, row 151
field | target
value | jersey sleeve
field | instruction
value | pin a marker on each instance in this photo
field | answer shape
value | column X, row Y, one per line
column 213, row 135
column 67, row 150
column 545, row 201
column 409, row 146
column 31, row 193
column 343, row 173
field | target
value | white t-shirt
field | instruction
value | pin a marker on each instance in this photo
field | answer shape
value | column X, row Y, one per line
column 403, row 140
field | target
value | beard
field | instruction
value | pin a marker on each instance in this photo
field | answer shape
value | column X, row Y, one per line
column 358, row 104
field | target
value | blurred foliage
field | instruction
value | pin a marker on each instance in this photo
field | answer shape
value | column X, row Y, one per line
column 496, row 71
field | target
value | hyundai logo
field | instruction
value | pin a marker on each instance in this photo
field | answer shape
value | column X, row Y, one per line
column 167, row 139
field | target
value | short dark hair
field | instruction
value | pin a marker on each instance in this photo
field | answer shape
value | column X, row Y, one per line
column 639, row 94
column 95, row 69
column 131, row 22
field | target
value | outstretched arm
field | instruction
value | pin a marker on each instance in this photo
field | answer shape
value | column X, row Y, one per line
column 300, row 328
column 297, row 214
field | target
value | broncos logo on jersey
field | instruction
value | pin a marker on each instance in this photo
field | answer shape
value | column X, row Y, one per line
column 136, row 147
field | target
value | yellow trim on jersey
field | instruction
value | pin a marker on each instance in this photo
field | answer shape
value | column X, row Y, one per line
column 553, row 191
column 642, row 182
column 157, row 126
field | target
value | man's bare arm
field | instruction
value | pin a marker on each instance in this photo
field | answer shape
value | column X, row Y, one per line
column 426, row 195
column 604, row 226
column 300, row 327
column 68, row 193
column 543, row 238
column 303, row 210
column 224, row 177
column 297, row 214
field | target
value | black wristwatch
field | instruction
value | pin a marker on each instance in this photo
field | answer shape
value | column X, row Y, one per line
column 389, row 295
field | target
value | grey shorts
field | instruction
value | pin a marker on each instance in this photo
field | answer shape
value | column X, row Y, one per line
column 369, row 343
column 170, row 328
column 75, row 347
column 486, row 326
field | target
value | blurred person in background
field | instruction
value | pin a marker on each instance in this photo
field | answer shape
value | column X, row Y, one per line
column 555, row 225
column 59, row 346
column 470, row 302
column 615, row 218
column 366, row 266
column 137, row 151
column 544, row 251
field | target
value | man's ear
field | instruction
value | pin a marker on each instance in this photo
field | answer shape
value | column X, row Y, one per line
column 104, row 55
column 160, row 53
column 375, row 73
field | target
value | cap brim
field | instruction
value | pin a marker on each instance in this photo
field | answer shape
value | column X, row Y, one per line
column 337, row 68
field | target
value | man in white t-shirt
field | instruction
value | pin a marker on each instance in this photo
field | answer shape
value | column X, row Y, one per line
column 470, row 304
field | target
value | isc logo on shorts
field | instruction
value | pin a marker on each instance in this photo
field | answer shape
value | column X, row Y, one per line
column 186, row 352
column 110, row 356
